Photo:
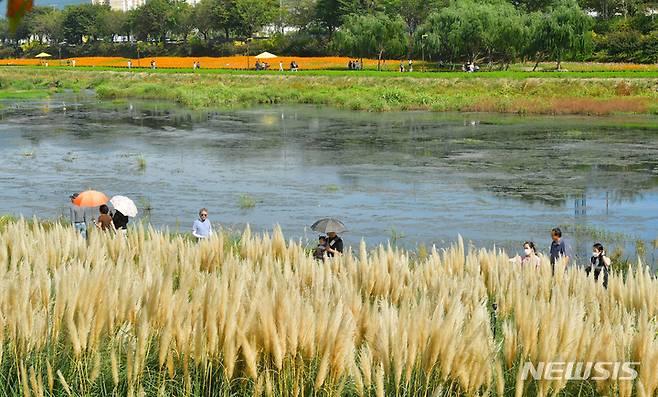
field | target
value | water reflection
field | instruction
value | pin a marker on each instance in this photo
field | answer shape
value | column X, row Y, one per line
column 494, row 179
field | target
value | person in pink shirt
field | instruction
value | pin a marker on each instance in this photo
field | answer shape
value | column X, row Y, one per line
column 529, row 257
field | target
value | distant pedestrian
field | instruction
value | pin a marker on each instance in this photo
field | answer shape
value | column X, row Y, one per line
column 202, row 228
column 73, row 62
column 153, row 64
column 401, row 67
column 78, row 217
column 599, row 263
column 411, row 66
column 280, row 66
column 558, row 248
column 130, row 64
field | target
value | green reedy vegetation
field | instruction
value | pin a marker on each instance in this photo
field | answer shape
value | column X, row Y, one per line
column 360, row 91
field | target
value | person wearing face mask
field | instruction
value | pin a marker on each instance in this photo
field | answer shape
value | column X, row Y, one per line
column 529, row 257
column 599, row 263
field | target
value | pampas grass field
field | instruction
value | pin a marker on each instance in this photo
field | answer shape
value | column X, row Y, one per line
column 155, row 314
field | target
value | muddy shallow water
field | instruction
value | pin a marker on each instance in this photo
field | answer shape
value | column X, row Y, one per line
column 400, row 177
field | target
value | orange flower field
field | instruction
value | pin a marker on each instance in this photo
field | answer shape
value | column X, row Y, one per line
column 233, row 62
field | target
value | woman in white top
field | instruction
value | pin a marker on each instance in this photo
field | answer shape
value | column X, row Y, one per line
column 202, row 228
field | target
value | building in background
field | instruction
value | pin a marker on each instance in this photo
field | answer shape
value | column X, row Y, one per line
column 127, row 5
column 121, row 5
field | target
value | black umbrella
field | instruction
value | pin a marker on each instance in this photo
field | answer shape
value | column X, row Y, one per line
column 328, row 225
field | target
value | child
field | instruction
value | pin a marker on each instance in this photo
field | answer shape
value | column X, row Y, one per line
column 321, row 247
column 105, row 220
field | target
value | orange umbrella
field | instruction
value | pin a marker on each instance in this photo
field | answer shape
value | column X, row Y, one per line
column 90, row 198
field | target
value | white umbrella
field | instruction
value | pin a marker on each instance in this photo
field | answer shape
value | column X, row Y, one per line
column 265, row 55
column 124, row 205
column 43, row 55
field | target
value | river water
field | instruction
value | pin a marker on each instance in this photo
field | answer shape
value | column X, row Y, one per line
column 400, row 177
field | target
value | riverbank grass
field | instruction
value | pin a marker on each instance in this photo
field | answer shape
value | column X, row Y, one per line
column 467, row 93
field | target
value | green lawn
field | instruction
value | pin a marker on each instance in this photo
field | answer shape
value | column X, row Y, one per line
column 510, row 74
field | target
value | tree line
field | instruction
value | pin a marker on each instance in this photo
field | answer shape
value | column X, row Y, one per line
column 496, row 32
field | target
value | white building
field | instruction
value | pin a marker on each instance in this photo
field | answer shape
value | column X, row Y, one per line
column 127, row 5
column 121, row 5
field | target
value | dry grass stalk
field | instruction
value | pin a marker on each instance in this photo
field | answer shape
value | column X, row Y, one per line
column 272, row 320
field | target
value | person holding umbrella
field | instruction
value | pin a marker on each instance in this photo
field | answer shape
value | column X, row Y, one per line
column 331, row 227
column 78, row 216
column 123, row 208
column 120, row 221
column 88, row 198
column 334, row 244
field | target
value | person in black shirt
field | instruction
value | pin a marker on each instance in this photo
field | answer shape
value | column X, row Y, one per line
column 334, row 244
column 599, row 263
column 120, row 220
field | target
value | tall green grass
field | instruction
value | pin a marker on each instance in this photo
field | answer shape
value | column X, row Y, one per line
column 496, row 92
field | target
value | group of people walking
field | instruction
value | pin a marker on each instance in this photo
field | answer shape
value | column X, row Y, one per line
column 354, row 65
column 260, row 65
column 330, row 244
column 599, row 262
column 410, row 67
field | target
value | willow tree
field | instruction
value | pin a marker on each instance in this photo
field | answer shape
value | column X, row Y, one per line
column 467, row 31
column 561, row 31
column 371, row 35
